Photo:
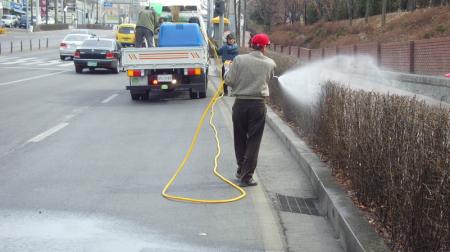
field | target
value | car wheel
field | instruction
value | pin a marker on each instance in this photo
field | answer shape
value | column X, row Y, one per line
column 62, row 57
column 78, row 69
column 202, row 95
column 116, row 70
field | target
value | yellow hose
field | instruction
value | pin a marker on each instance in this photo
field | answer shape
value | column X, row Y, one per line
column 218, row 94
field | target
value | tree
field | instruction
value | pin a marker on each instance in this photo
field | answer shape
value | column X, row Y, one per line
column 366, row 16
column 383, row 13
column 350, row 11
column 264, row 12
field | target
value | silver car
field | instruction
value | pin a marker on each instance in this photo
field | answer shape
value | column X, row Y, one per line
column 10, row 20
column 70, row 43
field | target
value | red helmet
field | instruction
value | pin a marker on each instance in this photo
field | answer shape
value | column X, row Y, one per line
column 261, row 39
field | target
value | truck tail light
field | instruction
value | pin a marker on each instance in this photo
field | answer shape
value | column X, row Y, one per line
column 109, row 55
column 77, row 54
column 192, row 71
column 134, row 73
column 154, row 82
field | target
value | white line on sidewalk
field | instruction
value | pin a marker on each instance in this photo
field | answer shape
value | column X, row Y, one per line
column 47, row 133
column 31, row 78
column 110, row 98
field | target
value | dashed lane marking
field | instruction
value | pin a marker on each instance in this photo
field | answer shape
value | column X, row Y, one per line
column 109, row 98
column 48, row 133
column 31, row 78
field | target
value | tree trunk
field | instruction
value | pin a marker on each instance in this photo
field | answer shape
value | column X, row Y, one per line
column 383, row 13
column 304, row 12
column 367, row 11
column 350, row 11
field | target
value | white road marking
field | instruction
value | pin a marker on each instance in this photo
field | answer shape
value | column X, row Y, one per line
column 22, row 60
column 110, row 98
column 31, row 78
column 51, row 62
column 2, row 59
column 65, row 64
column 48, row 133
column 33, row 62
column 32, row 68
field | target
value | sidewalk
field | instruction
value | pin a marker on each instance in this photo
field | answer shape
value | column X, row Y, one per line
column 291, row 193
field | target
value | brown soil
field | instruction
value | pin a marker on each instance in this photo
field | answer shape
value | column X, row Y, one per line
column 400, row 26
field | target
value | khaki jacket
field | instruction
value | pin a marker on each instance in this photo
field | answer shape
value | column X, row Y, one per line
column 249, row 75
column 147, row 19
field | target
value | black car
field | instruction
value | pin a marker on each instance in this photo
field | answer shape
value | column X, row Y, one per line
column 23, row 21
column 98, row 53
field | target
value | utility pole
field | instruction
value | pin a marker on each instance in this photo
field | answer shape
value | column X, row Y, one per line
column 96, row 15
column 46, row 11
column 26, row 16
column 208, row 29
column 56, row 11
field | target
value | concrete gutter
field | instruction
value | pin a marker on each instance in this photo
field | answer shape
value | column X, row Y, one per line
column 352, row 228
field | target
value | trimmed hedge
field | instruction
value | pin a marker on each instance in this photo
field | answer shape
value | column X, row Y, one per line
column 393, row 150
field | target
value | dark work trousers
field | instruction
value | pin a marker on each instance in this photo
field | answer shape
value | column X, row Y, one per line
column 141, row 33
column 249, row 117
column 225, row 87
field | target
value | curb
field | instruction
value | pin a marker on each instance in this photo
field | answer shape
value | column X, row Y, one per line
column 351, row 227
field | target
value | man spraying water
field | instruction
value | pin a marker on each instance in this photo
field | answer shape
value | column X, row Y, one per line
column 248, row 77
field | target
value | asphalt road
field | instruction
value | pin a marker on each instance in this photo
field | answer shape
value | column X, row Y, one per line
column 82, row 167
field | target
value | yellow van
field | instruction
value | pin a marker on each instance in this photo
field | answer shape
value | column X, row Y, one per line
column 126, row 34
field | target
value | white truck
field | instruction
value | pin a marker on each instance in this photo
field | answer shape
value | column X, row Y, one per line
column 180, row 62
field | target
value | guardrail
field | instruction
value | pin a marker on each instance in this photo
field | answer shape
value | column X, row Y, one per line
column 23, row 45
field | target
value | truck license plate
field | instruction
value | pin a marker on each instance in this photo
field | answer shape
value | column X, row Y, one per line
column 164, row 87
column 92, row 63
column 164, row 77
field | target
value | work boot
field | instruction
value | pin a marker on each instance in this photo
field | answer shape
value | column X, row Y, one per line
column 248, row 182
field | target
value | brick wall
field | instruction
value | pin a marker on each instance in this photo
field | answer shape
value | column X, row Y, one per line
column 346, row 50
column 305, row 54
column 330, row 52
column 396, row 56
column 295, row 51
column 316, row 54
column 429, row 57
column 370, row 49
column 432, row 56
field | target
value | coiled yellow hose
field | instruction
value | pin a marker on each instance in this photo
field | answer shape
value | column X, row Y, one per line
column 217, row 96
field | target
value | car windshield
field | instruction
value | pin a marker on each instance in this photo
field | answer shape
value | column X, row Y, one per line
column 126, row 30
column 94, row 43
column 76, row 37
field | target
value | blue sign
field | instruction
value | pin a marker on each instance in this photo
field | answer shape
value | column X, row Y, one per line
column 107, row 4
column 16, row 6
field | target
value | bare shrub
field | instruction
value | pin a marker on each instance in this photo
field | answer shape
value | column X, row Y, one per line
column 394, row 150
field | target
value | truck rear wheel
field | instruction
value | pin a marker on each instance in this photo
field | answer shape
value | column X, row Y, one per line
column 135, row 97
